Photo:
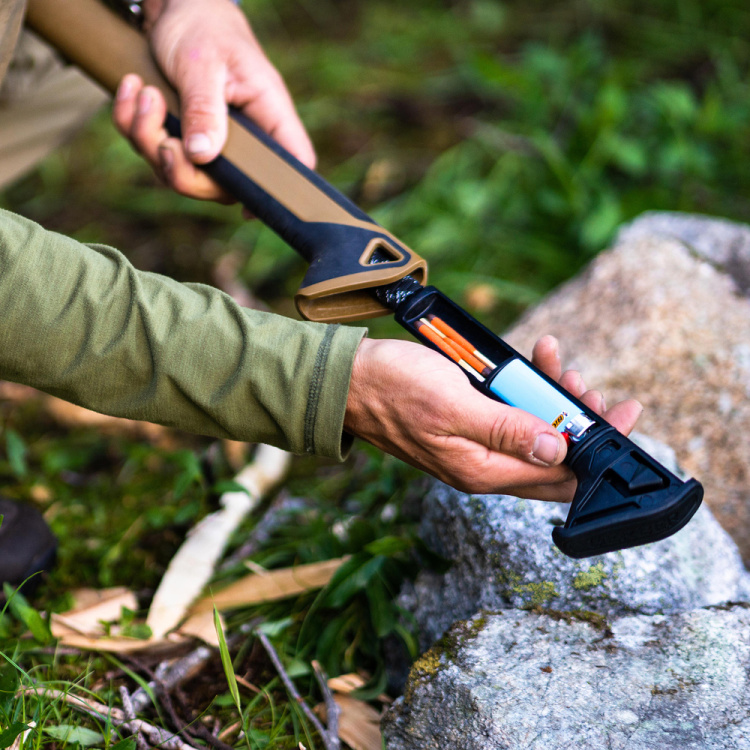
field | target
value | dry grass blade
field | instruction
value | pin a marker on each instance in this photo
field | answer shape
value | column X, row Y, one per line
column 273, row 585
column 193, row 565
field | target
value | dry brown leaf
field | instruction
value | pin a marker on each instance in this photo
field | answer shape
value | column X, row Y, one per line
column 115, row 644
column 201, row 625
column 70, row 415
column 273, row 585
column 359, row 723
column 40, row 493
column 346, row 683
column 91, row 607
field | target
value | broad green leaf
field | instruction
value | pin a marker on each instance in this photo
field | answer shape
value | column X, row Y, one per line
column 191, row 472
column 409, row 641
column 229, row 485
column 128, row 743
column 9, row 681
column 259, row 738
column 355, row 582
column 74, row 735
column 272, row 628
column 389, row 545
column 17, row 451
column 8, row 736
column 298, row 668
column 137, row 630
column 599, row 225
column 24, row 612
column 382, row 612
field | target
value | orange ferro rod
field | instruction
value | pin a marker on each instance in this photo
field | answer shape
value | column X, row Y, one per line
column 464, row 351
column 445, row 346
column 456, row 337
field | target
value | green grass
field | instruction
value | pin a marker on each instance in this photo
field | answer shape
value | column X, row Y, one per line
column 505, row 142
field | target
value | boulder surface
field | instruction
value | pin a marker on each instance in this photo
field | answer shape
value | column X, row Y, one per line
column 502, row 556
column 535, row 680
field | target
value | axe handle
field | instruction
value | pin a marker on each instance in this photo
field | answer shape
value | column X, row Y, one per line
column 336, row 238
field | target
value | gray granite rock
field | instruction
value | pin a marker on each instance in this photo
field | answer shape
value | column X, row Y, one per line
column 664, row 317
column 634, row 649
column 503, row 556
column 724, row 244
column 520, row 679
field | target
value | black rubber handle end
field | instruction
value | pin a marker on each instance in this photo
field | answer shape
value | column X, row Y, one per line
column 625, row 498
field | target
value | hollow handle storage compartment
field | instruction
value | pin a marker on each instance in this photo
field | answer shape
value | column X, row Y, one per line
column 624, row 496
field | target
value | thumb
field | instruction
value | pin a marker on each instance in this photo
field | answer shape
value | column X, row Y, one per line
column 514, row 432
column 203, row 110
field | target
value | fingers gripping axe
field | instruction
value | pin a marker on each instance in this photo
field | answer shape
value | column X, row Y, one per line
column 360, row 270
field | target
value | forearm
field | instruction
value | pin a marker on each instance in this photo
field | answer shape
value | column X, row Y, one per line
column 80, row 322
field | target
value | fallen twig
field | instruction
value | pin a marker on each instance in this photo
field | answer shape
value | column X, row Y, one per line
column 332, row 709
column 127, row 706
column 155, row 735
column 281, row 508
column 171, row 675
column 330, row 743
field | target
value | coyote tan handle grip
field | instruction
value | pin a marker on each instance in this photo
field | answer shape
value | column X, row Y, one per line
column 331, row 233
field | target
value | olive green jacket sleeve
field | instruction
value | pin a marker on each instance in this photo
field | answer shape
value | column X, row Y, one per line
column 78, row 321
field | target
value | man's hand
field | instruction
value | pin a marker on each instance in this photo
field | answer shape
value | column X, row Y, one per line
column 419, row 406
column 207, row 50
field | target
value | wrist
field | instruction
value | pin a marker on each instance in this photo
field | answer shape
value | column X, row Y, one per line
column 359, row 384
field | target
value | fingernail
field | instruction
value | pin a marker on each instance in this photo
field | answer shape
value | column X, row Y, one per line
column 604, row 405
column 556, row 345
column 546, row 447
column 144, row 102
column 125, row 89
column 167, row 160
column 198, row 144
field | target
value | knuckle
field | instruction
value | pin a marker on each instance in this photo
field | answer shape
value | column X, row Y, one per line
column 506, row 432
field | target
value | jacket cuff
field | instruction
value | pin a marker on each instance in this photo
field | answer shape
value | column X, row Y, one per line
column 328, row 391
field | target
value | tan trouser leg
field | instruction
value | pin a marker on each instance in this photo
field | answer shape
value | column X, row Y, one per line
column 42, row 104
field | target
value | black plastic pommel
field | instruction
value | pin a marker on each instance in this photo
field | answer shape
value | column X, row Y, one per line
column 624, row 498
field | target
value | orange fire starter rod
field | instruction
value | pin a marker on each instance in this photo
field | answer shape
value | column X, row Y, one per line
column 463, row 347
column 456, row 337
column 442, row 343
